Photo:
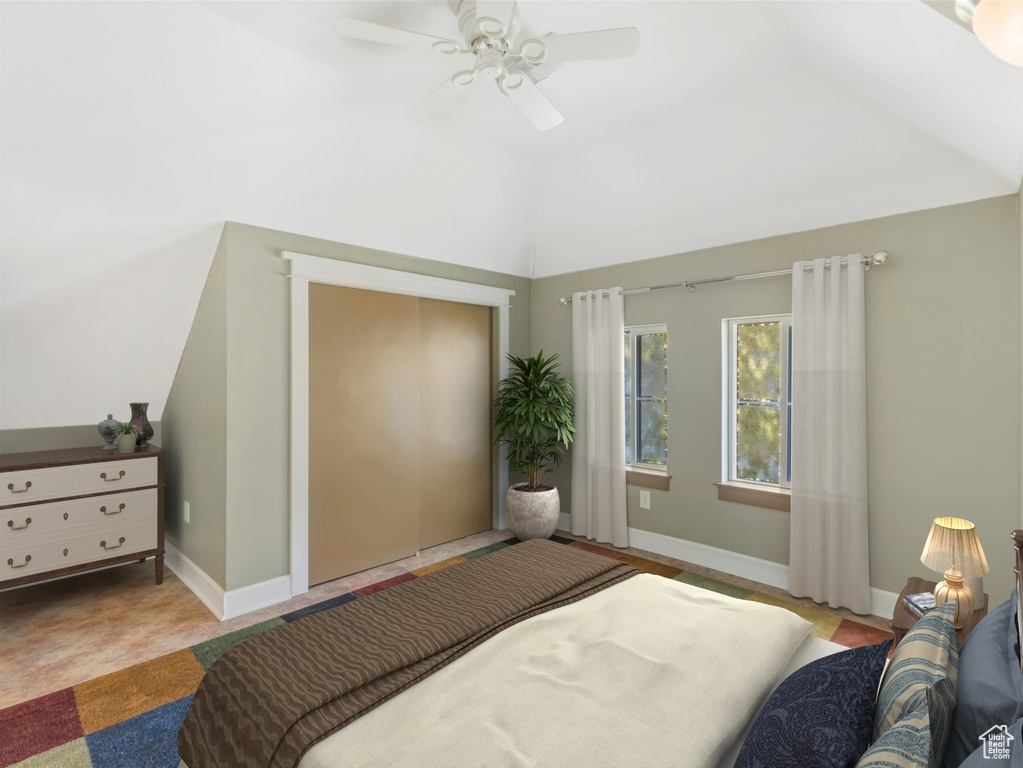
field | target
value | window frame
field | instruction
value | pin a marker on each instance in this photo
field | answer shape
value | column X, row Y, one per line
column 729, row 400
column 631, row 400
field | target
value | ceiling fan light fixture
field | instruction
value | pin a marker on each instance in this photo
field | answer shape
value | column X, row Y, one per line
column 448, row 46
column 513, row 79
column 532, row 51
column 490, row 63
column 490, row 27
column 998, row 24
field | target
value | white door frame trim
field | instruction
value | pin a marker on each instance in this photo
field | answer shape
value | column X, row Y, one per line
column 305, row 269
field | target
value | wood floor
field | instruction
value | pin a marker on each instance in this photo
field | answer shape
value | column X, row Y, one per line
column 65, row 632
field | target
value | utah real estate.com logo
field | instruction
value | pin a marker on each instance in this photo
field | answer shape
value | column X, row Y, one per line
column 996, row 743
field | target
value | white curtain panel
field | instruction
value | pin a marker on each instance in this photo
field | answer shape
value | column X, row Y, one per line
column 828, row 558
column 598, row 450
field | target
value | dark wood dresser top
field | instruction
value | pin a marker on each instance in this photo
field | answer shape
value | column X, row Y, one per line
column 38, row 459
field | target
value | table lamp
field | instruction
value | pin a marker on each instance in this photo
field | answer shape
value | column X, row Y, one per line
column 952, row 547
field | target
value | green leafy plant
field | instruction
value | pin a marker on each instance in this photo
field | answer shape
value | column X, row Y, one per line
column 127, row 428
column 533, row 416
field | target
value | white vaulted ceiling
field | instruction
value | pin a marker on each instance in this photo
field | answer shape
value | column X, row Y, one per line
column 129, row 132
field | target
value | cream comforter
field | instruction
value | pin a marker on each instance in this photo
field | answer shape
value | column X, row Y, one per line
column 649, row 672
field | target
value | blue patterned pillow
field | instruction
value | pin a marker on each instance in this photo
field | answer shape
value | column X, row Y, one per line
column 918, row 695
column 907, row 744
column 821, row 715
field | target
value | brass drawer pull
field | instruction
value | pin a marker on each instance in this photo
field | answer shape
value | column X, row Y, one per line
column 13, row 527
column 117, row 511
column 10, row 487
column 28, row 559
column 112, row 479
column 118, row 544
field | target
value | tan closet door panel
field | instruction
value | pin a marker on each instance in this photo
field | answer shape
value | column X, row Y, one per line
column 363, row 417
column 454, row 421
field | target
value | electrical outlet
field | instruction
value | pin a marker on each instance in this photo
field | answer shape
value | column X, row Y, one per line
column 644, row 500
column 186, row 511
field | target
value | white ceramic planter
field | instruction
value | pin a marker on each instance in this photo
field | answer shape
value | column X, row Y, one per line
column 125, row 443
column 532, row 514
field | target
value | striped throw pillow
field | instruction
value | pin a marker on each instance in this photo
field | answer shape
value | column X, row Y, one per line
column 907, row 744
column 918, row 693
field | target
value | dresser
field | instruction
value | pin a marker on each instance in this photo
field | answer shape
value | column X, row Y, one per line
column 72, row 510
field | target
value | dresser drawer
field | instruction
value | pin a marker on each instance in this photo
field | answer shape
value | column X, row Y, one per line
column 29, row 485
column 28, row 560
column 111, row 476
column 60, row 519
column 90, row 544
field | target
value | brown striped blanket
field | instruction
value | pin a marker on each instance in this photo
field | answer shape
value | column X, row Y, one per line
column 267, row 701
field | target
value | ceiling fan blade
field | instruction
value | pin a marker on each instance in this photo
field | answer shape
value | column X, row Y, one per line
column 620, row 43
column 378, row 33
column 448, row 91
column 531, row 100
column 498, row 10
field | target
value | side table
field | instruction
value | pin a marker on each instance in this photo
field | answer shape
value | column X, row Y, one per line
column 903, row 619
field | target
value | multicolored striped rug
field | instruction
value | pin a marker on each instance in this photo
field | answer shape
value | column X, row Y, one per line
column 130, row 719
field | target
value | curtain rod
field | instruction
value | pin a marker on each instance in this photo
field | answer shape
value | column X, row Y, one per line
column 878, row 259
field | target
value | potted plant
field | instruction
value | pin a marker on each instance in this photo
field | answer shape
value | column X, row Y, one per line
column 127, row 433
column 533, row 418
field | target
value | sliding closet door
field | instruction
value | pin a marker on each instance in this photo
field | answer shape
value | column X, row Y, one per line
column 363, row 419
column 455, row 437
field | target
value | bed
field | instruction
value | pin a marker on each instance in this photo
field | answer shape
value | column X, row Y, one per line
column 545, row 655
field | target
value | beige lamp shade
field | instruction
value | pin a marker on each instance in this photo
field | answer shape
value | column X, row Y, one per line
column 953, row 544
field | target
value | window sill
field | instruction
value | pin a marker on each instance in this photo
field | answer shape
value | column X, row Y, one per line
column 755, row 495
column 647, row 478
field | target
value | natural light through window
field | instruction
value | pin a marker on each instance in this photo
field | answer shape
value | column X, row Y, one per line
column 646, row 396
column 758, row 397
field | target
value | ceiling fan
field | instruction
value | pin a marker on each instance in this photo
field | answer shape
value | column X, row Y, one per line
column 488, row 51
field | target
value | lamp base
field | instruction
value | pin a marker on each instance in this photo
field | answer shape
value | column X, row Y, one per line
column 954, row 590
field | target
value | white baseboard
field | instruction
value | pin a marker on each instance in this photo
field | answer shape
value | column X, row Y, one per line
column 231, row 603
column 882, row 603
column 196, row 579
column 255, row 596
column 752, row 568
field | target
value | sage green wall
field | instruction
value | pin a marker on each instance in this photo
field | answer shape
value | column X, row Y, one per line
column 52, row 438
column 257, row 382
column 195, row 432
column 943, row 379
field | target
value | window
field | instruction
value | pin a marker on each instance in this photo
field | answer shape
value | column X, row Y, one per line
column 758, row 397
column 646, row 396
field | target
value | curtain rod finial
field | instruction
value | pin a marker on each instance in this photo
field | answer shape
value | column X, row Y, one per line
column 879, row 258
column 563, row 301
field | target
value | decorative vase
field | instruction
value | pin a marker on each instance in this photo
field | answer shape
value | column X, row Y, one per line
column 108, row 431
column 126, row 443
column 140, row 420
column 532, row 514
